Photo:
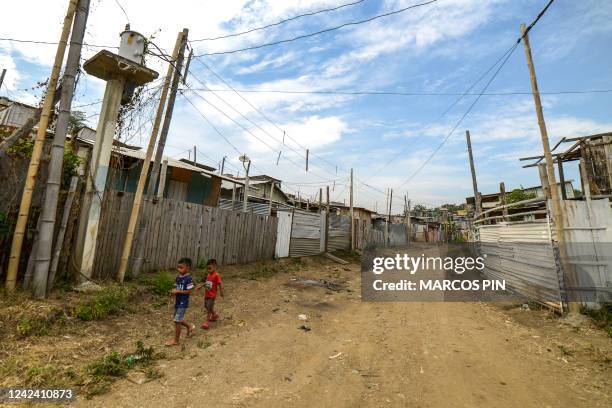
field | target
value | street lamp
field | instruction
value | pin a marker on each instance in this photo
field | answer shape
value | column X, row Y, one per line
column 246, row 163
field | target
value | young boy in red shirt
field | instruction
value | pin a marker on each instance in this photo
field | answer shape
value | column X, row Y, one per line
column 212, row 283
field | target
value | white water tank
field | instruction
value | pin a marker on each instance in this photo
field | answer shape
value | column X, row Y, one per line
column 132, row 45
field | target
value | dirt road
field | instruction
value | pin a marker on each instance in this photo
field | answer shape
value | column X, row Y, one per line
column 360, row 354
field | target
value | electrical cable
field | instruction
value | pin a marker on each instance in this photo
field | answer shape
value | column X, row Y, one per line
column 300, row 37
column 278, row 23
column 399, row 93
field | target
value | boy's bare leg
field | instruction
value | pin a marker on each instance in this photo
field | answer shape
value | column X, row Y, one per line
column 177, row 335
column 189, row 327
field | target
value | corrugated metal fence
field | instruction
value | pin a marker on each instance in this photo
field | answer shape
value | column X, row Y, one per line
column 305, row 234
column 173, row 229
column 523, row 255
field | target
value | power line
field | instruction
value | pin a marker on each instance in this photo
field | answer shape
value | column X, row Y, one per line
column 279, row 22
column 300, row 37
column 518, row 41
column 52, row 42
column 258, row 110
column 270, row 121
column 123, row 9
column 458, row 122
column 399, row 93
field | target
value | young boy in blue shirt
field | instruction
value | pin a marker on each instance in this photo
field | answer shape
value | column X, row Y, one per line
column 183, row 286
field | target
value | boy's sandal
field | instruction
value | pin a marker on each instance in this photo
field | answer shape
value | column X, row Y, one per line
column 172, row 343
column 190, row 330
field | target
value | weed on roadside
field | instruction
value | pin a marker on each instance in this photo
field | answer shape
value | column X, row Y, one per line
column 601, row 317
column 204, row 344
column 160, row 283
column 109, row 301
column 102, row 372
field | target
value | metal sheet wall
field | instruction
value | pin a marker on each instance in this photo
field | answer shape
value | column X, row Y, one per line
column 339, row 232
column 305, row 234
column 523, row 255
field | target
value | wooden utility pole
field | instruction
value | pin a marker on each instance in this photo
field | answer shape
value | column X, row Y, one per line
column 320, row 199
column 2, row 77
column 557, row 210
column 162, row 179
column 28, row 190
column 307, row 151
column 544, row 180
column 168, row 116
column 387, row 223
column 327, row 218
column 129, row 237
column 54, row 179
column 245, row 197
column 222, row 166
column 503, row 201
column 352, row 214
column 409, row 223
column 195, row 160
column 477, row 203
column 271, row 197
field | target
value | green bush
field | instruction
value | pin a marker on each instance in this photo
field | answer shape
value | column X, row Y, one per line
column 105, row 370
column 160, row 283
column 108, row 301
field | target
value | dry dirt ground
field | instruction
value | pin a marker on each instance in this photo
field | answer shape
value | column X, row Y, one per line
column 356, row 354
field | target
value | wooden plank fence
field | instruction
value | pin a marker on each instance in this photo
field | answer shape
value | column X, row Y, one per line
column 173, row 229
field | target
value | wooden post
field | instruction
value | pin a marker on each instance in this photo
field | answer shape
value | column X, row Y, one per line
column 544, row 180
column 561, row 177
column 233, row 195
column 389, row 213
column 222, row 166
column 176, row 79
column 503, row 201
column 557, row 211
column 327, row 218
column 409, row 223
column 162, row 179
column 28, row 189
column 320, row 198
column 387, row 221
column 307, row 159
column 131, row 230
column 352, row 215
column 271, row 197
column 477, row 202
column 586, row 186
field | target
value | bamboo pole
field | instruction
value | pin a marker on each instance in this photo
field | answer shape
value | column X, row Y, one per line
column 48, row 215
column 28, row 189
column 129, row 238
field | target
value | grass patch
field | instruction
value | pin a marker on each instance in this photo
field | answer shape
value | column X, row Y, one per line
column 204, row 344
column 601, row 317
column 264, row 271
column 160, row 283
column 565, row 350
column 44, row 376
column 41, row 325
column 108, row 301
column 104, row 371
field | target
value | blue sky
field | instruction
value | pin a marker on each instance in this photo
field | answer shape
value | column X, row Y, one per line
column 439, row 48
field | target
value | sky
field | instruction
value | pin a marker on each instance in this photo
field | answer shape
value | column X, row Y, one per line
column 407, row 143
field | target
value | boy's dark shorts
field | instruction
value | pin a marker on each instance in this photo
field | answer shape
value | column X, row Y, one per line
column 209, row 304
